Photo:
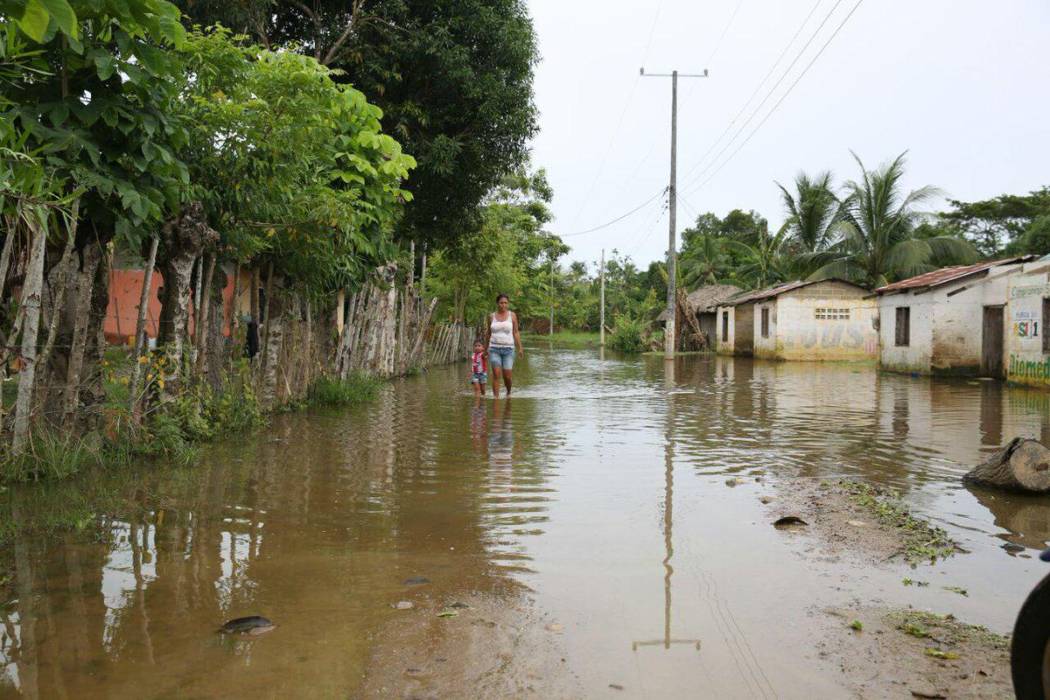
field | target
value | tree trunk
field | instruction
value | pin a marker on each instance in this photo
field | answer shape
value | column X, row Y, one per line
column 213, row 352
column 1023, row 465
column 61, row 405
column 203, row 309
column 182, row 238
column 140, row 323
column 254, row 296
column 272, row 345
column 31, row 291
column 234, row 311
column 63, row 271
column 91, row 390
column 266, row 315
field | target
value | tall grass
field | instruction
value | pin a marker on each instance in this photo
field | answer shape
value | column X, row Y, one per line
column 49, row 456
column 357, row 388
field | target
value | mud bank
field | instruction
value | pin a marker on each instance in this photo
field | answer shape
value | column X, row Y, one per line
column 494, row 646
column 851, row 518
column 910, row 653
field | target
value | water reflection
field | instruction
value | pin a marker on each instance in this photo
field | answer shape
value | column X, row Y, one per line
column 317, row 521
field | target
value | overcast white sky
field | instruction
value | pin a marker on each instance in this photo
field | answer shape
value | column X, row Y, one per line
column 960, row 84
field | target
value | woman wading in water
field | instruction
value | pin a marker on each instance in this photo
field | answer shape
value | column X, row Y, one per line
column 503, row 336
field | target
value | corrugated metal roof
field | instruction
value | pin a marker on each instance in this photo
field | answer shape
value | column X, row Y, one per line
column 948, row 274
column 783, row 288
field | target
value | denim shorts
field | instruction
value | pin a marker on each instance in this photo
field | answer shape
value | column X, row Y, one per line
column 502, row 357
column 479, row 378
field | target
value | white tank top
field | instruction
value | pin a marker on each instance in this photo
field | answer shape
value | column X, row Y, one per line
column 501, row 332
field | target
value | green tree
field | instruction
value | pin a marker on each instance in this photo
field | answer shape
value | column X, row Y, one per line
column 996, row 225
column 454, row 81
column 812, row 212
column 764, row 261
column 878, row 226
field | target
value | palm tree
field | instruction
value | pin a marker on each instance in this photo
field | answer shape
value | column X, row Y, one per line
column 704, row 262
column 878, row 231
column 813, row 211
column 765, row 261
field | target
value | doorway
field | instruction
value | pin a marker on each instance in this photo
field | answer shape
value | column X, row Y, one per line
column 992, row 342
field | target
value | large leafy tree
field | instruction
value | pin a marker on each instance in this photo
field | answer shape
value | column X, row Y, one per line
column 879, row 222
column 454, row 81
column 1000, row 224
column 511, row 253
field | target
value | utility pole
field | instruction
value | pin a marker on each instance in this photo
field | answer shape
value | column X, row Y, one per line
column 672, row 201
column 550, row 331
column 601, row 322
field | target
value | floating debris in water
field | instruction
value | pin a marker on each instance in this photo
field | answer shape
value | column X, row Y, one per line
column 253, row 624
column 403, row 605
column 1013, row 547
column 416, row 580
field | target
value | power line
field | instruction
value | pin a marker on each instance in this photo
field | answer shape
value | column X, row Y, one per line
column 725, row 30
column 619, row 123
column 617, row 219
column 769, row 94
column 782, row 97
column 758, row 87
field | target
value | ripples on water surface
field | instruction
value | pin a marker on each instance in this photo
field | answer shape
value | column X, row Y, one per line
column 599, row 489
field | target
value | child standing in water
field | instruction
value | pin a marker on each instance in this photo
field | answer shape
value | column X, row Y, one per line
column 479, row 366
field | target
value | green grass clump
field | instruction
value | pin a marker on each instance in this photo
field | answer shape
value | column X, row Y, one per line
column 357, row 388
column 946, row 630
column 48, row 455
column 922, row 541
column 567, row 339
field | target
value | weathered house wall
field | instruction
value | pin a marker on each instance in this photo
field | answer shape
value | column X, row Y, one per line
column 1027, row 318
column 947, row 325
column 826, row 321
column 819, row 322
column 744, row 329
column 709, row 327
column 725, row 315
column 915, row 356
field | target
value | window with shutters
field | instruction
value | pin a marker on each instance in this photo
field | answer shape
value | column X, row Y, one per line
column 903, row 329
column 765, row 321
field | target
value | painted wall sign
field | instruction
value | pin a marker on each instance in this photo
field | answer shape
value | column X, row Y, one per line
column 1039, row 290
column 1033, row 369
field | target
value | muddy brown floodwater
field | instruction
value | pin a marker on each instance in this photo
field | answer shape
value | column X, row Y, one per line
column 586, row 525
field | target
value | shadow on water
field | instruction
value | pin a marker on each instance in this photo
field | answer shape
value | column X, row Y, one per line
column 601, row 481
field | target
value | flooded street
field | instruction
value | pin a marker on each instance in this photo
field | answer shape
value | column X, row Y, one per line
column 592, row 508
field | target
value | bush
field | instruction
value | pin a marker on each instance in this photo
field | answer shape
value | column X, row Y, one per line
column 358, row 387
column 628, row 335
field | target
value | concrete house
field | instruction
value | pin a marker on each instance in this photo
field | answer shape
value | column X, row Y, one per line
column 821, row 320
column 1027, row 322
column 950, row 321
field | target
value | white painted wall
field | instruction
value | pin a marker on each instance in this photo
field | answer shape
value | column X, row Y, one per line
column 800, row 335
column 947, row 324
column 1026, row 363
column 725, row 346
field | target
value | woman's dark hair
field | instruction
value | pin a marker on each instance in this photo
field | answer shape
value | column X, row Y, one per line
column 502, row 296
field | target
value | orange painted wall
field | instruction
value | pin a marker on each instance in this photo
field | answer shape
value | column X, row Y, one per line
column 125, row 286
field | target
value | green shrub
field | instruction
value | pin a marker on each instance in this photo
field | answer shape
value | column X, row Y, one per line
column 358, row 387
column 48, row 455
column 628, row 335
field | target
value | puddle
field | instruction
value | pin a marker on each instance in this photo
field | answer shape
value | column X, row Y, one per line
column 595, row 499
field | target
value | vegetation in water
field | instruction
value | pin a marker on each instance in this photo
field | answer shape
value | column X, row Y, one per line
column 356, row 388
column 945, row 630
column 921, row 540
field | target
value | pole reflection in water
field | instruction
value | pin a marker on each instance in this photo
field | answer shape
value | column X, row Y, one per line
column 668, row 520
